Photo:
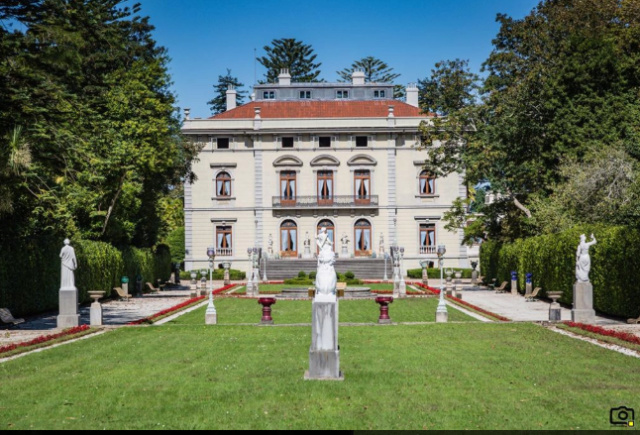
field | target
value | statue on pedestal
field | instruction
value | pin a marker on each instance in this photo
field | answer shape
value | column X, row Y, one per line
column 583, row 260
column 69, row 264
column 326, row 279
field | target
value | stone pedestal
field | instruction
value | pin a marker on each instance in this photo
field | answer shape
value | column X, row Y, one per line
column 95, row 312
column 227, row 280
column 344, row 252
column 474, row 277
column 527, row 289
column 442, row 316
column 68, row 317
column 425, row 277
column 514, row 287
column 307, row 252
column 583, row 311
column 324, row 353
column 266, row 310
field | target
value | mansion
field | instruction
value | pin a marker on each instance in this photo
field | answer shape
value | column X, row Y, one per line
column 304, row 156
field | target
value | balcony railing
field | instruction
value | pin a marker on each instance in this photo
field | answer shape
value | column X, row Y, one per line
column 224, row 252
column 335, row 201
column 427, row 249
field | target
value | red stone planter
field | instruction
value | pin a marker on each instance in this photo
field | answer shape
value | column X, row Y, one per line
column 266, row 310
column 384, row 302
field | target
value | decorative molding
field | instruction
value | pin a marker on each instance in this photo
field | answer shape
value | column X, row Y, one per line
column 223, row 220
column 325, row 160
column 362, row 160
column 427, row 218
column 287, row 160
column 223, row 165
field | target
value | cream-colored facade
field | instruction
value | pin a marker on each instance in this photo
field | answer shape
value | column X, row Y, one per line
column 270, row 181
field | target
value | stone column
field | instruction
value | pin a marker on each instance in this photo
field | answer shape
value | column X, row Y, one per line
column 514, row 282
column 324, row 353
column 68, row 297
column 583, row 311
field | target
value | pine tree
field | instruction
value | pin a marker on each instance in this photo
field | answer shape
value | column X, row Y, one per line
column 375, row 71
column 218, row 103
column 288, row 53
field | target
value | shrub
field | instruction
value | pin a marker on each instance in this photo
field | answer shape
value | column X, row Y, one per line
column 312, row 275
column 302, row 274
column 299, row 281
column 349, row 275
column 433, row 273
column 615, row 260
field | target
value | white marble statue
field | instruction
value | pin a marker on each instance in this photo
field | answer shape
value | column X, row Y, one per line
column 270, row 247
column 381, row 244
column 326, row 279
column 583, row 261
column 69, row 264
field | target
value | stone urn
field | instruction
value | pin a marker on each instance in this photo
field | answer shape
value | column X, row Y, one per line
column 554, row 308
column 384, row 302
column 266, row 310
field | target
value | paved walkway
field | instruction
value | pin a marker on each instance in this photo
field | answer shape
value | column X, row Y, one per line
column 119, row 313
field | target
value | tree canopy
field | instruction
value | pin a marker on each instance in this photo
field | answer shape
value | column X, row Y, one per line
column 562, row 87
column 291, row 54
column 89, row 121
column 375, row 70
column 218, row 103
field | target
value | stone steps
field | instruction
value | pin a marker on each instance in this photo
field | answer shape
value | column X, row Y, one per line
column 363, row 268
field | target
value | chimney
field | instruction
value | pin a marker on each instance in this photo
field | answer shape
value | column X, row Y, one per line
column 284, row 79
column 231, row 97
column 253, row 96
column 357, row 77
column 391, row 117
column 412, row 94
column 257, row 121
column 187, row 111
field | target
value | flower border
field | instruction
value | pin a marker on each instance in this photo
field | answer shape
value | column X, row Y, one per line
column 465, row 304
column 624, row 336
column 44, row 338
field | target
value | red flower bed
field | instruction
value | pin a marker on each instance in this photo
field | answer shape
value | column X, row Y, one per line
column 625, row 336
column 44, row 338
column 461, row 302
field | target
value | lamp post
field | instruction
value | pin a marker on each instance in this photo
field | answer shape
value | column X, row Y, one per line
column 252, row 285
column 264, row 269
column 403, row 286
column 211, row 317
column 441, row 311
column 386, row 257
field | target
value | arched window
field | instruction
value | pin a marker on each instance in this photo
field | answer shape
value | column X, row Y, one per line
column 427, row 183
column 288, row 187
column 331, row 229
column 362, row 233
column 288, row 239
column 223, row 185
column 325, row 187
column 362, row 185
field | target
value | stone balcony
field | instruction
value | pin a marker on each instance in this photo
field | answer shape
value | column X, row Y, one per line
column 336, row 201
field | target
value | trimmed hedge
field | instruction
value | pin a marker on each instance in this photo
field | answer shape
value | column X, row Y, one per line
column 30, row 271
column 434, row 272
column 551, row 259
column 218, row 274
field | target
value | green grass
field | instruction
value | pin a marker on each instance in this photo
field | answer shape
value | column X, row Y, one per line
column 600, row 337
column 433, row 376
column 277, row 288
column 234, row 310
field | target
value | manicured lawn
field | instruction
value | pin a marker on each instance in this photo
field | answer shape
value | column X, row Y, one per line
column 428, row 376
column 277, row 288
column 235, row 310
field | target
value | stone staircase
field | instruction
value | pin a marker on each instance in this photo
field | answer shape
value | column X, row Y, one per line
column 362, row 268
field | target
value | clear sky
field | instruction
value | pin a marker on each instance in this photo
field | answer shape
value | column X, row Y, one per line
column 205, row 37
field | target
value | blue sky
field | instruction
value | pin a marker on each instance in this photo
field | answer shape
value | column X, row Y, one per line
column 205, row 37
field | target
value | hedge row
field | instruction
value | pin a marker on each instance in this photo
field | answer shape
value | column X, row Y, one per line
column 30, row 271
column 433, row 273
column 218, row 274
column 551, row 259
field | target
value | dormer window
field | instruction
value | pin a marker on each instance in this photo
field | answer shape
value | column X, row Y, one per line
column 342, row 94
column 379, row 94
column 305, row 95
column 268, row 95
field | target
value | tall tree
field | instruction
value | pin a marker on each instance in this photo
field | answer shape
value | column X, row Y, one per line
column 375, row 70
column 218, row 103
column 562, row 83
column 291, row 54
column 91, row 87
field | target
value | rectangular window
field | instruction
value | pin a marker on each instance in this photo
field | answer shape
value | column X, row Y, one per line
column 269, row 95
column 325, row 187
column 305, row 95
column 287, row 142
column 224, row 246
column 427, row 238
column 378, row 94
column 427, row 183
column 288, row 187
column 361, row 141
column 362, row 184
column 223, row 143
column 324, row 141
column 342, row 94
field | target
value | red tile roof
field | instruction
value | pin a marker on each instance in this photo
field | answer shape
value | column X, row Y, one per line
column 321, row 109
